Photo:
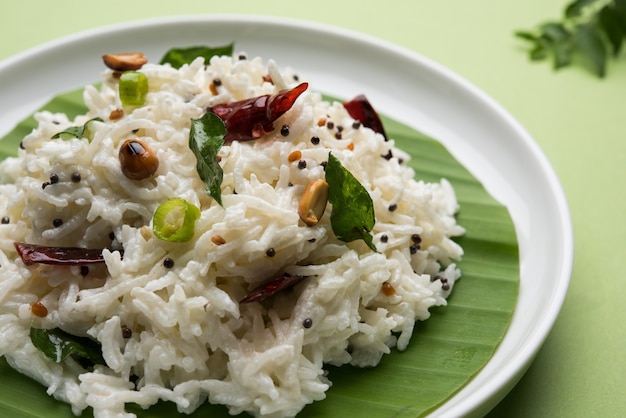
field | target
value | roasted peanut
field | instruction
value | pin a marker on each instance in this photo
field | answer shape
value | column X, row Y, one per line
column 313, row 202
column 137, row 160
column 124, row 62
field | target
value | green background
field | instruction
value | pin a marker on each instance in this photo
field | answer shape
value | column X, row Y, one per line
column 577, row 119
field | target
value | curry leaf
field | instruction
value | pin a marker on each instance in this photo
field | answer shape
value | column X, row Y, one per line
column 58, row 345
column 610, row 21
column 206, row 137
column 590, row 44
column 177, row 57
column 576, row 8
column 78, row 131
column 557, row 39
column 555, row 31
column 620, row 8
column 352, row 215
column 539, row 52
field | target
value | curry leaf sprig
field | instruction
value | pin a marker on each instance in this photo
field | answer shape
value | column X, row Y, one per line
column 589, row 33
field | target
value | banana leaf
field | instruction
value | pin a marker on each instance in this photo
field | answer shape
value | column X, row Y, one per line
column 445, row 352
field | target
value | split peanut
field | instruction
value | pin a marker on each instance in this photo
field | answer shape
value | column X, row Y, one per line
column 313, row 202
column 124, row 62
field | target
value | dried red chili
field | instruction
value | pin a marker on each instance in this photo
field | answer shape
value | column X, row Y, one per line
column 361, row 109
column 252, row 118
column 71, row 256
column 282, row 283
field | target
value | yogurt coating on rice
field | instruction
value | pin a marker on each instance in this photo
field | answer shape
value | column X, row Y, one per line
column 167, row 314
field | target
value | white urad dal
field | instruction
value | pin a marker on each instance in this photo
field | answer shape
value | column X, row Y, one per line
column 191, row 338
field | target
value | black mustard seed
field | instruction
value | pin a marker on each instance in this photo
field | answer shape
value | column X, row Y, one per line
column 127, row 332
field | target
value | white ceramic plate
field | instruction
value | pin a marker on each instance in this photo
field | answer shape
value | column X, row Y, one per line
column 404, row 85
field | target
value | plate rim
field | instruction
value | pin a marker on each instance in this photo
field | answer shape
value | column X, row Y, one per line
column 487, row 398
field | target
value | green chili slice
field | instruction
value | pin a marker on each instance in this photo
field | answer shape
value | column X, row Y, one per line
column 175, row 220
column 133, row 88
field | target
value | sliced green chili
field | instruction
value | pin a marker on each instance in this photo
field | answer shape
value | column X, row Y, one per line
column 175, row 220
column 133, row 88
